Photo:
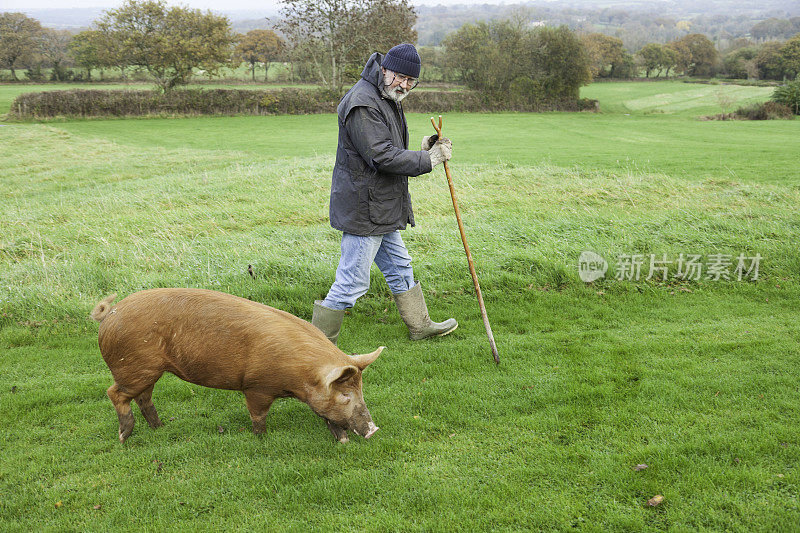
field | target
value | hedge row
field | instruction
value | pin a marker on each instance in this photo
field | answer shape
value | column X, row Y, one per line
column 761, row 111
column 122, row 103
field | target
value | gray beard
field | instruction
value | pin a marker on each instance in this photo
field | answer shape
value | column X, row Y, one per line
column 394, row 94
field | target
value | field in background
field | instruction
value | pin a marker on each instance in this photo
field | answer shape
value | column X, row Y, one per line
column 620, row 139
column 673, row 97
column 643, row 127
column 698, row 380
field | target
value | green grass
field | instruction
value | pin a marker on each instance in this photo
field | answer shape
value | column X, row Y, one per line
column 670, row 141
column 699, row 380
column 679, row 146
column 673, row 97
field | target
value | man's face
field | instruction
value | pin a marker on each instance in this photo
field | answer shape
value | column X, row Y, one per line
column 397, row 85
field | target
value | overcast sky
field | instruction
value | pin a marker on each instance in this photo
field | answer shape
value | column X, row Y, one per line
column 219, row 5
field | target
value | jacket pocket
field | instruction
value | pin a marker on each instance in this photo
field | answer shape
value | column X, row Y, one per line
column 385, row 207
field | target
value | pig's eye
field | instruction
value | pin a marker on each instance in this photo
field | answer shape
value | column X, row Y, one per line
column 344, row 398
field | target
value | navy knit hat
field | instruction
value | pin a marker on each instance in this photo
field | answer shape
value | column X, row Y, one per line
column 403, row 59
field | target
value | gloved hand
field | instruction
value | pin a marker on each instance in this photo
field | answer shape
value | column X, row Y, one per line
column 428, row 141
column 442, row 150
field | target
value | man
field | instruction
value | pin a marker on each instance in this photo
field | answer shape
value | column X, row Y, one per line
column 370, row 202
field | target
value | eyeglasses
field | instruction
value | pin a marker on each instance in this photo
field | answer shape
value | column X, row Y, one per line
column 407, row 80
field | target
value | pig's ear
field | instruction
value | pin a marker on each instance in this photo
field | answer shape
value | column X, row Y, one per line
column 362, row 361
column 340, row 374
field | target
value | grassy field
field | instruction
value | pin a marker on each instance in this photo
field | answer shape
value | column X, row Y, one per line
column 679, row 146
column 673, row 97
column 697, row 379
column 662, row 136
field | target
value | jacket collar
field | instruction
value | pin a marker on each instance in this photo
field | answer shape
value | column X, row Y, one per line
column 372, row 70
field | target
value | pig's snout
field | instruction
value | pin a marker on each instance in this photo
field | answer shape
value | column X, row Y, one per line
column 371, row 431
column 361, row 422
column 365, row 428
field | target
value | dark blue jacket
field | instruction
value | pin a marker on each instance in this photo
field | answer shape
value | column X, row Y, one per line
column 369, row 194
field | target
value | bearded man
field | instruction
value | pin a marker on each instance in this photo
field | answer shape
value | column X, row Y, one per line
column 370, row 202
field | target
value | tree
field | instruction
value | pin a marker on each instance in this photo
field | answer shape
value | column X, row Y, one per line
column 559, row 61
column 789, row 95
column 682, row 54
column 337, row 35
column 669, row 60
column 696, row 54
column 260, row 46
column 772, row 28
column 384, row 24
column 625, row 68
column 508, row 62
column 110, row 49
column 650, row 57
column 434, row 66
column 738, row 63
column 469, row 52
column 168, row 42
column 606, row 55
column 19, row 40
column 654, row 56
column 53, row 48
column 768, row 61
column 88, row 50
column 790, row 57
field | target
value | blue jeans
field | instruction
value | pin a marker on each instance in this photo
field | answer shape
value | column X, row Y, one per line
column 352, row 275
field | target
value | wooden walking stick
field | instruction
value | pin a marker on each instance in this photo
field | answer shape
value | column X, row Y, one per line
column 466, row 249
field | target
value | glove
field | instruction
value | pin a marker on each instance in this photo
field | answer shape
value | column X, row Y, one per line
column 428, row 141
column 442, row 150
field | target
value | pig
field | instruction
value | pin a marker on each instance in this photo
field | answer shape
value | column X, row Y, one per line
column 225, row 342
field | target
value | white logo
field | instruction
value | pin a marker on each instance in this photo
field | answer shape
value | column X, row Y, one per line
column 591, row 266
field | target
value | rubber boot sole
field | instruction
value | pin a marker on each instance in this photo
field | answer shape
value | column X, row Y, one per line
column 451, row 330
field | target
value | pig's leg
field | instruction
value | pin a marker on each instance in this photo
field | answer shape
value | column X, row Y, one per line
column 122, row 403
column 258, row 404
column 339, row 433
column 145, row 401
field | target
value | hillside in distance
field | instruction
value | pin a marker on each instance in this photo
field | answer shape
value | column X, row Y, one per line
column 636, row 22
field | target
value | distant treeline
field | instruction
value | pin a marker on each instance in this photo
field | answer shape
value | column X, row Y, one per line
column 694, row 54
column 634, row 25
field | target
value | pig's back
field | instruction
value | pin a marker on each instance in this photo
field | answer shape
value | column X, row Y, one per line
column 202, row 336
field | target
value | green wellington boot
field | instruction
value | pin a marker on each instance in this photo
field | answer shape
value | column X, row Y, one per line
column 414, row 313
column 327, row 320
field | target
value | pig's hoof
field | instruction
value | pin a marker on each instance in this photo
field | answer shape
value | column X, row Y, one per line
column 125, row 434
column 125, row 431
